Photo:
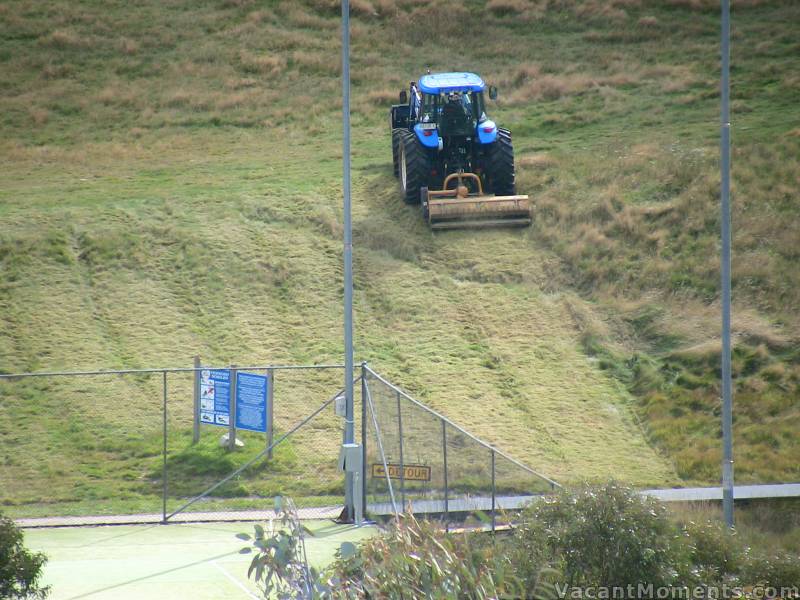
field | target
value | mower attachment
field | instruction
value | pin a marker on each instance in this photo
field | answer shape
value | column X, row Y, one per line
column 460, row 208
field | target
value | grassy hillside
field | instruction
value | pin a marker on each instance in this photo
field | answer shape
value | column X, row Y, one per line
column 171, row 187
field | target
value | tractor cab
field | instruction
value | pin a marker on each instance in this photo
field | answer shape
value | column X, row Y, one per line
column 454, row 102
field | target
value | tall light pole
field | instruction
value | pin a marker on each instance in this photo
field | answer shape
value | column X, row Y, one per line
column 349, row 436
column 725, row 202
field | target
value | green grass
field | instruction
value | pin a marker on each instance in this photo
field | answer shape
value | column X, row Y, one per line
column 171, row 187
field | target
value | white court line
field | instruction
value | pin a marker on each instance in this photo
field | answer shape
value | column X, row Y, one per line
column 236, row 581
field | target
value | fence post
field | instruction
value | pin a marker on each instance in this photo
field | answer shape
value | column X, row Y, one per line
column 402, row 461
column 494, row 493
column 270, row 411
column 164, row 464
column 196, row 423
column 446, row 491
column 232, row 409
column 364, row 437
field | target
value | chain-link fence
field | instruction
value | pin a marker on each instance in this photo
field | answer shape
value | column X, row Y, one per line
column 418, row 460
column 133, row 446
column 122, row 446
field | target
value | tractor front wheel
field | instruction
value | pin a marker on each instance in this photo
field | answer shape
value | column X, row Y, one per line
column 413, row 164
column 500, row 165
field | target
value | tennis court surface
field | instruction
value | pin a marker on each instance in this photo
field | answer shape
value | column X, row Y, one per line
column 170, row 562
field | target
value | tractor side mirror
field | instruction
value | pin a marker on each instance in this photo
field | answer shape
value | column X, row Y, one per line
column 492, row 92
column 403, row 97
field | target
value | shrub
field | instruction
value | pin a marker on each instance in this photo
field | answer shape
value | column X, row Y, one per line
column 715, row 554
column 412, row 559
column 780, row 570
column 20, row 569
column 601, row 536
column 416, row 559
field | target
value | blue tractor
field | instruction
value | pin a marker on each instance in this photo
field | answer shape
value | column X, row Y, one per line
column 451, row 158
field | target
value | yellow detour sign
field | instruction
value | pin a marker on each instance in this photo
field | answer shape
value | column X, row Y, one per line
column 409, row 473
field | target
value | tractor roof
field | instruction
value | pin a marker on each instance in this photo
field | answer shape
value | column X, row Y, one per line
column 437, row 83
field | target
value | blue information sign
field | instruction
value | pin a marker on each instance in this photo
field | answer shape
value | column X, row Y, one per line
column 251, row 402
column 215, row 397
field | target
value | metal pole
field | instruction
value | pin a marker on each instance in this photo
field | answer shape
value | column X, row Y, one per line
column 164, row 466
column 446, row 491
column 232, row 408
column 364, row 436
column 725, row 188
column 494, row 494
column 348, row 248
column 196, row 424
column 402, row 460
column 270, row 410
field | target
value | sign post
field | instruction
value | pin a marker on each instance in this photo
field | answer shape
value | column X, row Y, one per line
column 270, row 410
column 232, row 410
column 196, row 419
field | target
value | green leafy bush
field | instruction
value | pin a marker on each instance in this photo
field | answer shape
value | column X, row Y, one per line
column 600, row 536
column 716, row 555
column 417, row 559
column 20, row 569
column 779, row 570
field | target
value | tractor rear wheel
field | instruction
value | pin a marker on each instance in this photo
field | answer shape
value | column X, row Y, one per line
column 413, row 164
column 396, row 151
column 500, row 163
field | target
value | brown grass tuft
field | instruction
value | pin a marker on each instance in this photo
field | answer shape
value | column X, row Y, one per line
column 791, row 82
column 64, row 39
column 117, row 95
column 39, row 116
column 362, row 8
column 53, row 71
column 326, row 63
column 382, row 97
column 128, row 46
column 245, row 98
column 237, row 3
column 601, row 9
column 263, row 64
column 507, row 7
column 648, row 21
column 257, row 16
column 553, row 87
column 537, row 161
column 239, row 83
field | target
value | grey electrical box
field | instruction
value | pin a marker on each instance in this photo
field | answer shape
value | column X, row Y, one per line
column 350, row 458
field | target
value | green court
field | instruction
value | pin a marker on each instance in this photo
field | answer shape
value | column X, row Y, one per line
column 170, row 562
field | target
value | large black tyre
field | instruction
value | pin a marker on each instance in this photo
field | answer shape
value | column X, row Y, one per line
column 413, row 163
column 500, row 165
column 396, row 151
